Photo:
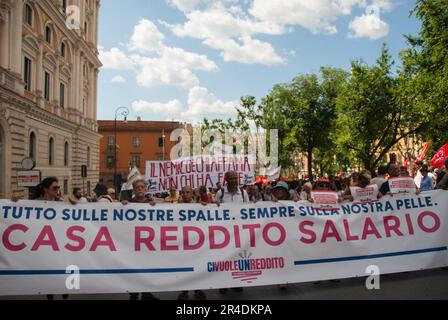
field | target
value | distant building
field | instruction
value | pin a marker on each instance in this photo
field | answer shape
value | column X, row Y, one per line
column 136, row 142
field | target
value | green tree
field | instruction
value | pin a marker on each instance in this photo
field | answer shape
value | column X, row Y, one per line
column 425, row 71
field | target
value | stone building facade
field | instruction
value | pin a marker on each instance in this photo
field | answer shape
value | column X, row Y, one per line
column 48, row 90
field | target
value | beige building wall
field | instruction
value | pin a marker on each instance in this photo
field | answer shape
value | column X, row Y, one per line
column 70, row 58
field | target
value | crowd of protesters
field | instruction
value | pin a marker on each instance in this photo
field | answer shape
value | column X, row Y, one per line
column 426, row 179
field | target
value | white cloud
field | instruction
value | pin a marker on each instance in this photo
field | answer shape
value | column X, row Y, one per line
column 202, row 103
column 246, row 50
column 115, row 59
column 171, row 108
column 173, row 66
column 225, row 26
column 230, row 30
column 184, row 5
column 163, row 65
column 118, row 79
column 386, row 5
column 146, row 37
column 318, row 16
column 368, row 26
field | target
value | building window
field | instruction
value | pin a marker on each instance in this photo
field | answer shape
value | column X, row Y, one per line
column 136, row 142
column 51, row 152
column 393, row 158
column 28, row 16
column 48, row 34
column 47, row 85
column 64, row 6
column 66, row 154
column 161, row 142
column 62, row 95
column 65, row 186
column 88, row 157
column 27, row 73
column 135, row 161
column 63, row 49
column 32, row 151
column 109, row 161
column 110, row 141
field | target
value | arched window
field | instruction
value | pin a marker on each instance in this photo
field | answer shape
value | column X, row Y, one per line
column 28, row 15
column 63, row 49
column 32, row 147
column 48, row 34
column 66, row 154
column 51, row 152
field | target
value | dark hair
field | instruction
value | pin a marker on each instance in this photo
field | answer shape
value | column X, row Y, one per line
column 390, row 165
column 40, row 189
column 100, row 190
column 293, row 184
column 382, row 170
column 75, row 190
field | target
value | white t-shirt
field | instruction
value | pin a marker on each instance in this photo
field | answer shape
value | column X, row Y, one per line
column 82, row 200
column 418, row 178
column 228, row 197
column 378, row 181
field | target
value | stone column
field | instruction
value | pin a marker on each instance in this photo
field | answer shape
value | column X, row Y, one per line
column 4, row 36
column 40, row 72
column 74, row 86
column 56, row 87
column 16, row 37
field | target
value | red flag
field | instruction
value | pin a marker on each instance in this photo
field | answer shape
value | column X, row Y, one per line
column 422, row 154
column 406, row 163
column 439, row 158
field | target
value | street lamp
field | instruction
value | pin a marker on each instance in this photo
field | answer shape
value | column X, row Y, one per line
column 122, row 111
column 163, row 141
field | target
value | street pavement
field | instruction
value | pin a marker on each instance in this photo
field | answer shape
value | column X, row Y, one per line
column 425, row 285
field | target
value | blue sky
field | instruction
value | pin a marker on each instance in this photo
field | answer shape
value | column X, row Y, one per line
column 189, row 59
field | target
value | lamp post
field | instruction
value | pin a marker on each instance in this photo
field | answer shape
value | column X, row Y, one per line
column 122, row 111
column 163, row 140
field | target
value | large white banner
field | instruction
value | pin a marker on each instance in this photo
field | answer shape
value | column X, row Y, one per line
column 141, row 248
column 198, row 171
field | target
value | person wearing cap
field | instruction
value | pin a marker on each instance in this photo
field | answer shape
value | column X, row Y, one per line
column 427, row 182
column 281, row 192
